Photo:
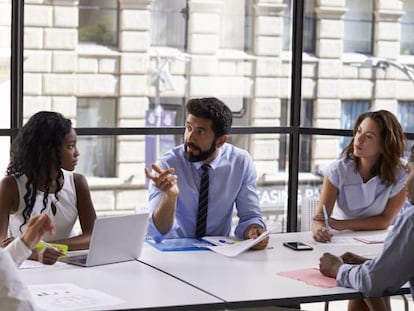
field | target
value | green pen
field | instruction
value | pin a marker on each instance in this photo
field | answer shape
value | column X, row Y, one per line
column 60, row 247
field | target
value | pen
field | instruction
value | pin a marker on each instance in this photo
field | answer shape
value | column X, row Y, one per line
column 226, row 242
column 46, row 244
column 325, row 216
column 63, row 248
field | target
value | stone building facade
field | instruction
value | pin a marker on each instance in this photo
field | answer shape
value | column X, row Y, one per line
column 59, row 70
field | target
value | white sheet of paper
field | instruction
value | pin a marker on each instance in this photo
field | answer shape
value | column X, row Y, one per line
column 219, row 240
column 346, row 240
column 234, row 249
column 66, row 296
column 373, row 238
column 33, row 264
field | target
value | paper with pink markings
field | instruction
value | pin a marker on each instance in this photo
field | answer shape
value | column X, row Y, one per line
column 310, row 276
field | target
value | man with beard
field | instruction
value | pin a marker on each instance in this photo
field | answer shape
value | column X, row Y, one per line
column 174, row 190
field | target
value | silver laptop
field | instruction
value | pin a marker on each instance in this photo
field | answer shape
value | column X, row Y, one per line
column 114, row 239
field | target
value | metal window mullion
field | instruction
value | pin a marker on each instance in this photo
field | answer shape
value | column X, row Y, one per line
column 16, row 64
column 296, row 85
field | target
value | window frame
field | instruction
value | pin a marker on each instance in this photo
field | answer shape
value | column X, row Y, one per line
column 294, row 130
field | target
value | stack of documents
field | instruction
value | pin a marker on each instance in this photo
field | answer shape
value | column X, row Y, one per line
column 176, row 245
column 230, row 247
column 224, row 245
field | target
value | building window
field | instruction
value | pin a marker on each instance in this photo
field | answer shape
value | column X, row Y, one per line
column 350, row 110
column 98, row 154
column 407, row 27
column 358, row 26
column 169, row 23
column 406, row 118
column 406, row 115
column 98, row 21
column 309, row 26
column 236, row 25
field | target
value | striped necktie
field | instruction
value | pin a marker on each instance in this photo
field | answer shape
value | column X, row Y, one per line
column 203, row 203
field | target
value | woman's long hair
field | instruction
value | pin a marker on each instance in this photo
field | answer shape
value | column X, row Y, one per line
column 36, row 147
column 393, row 144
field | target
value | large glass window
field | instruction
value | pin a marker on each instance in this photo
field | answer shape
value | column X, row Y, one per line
column 326, row 150
column 98, row 22
column 98, row 153
column 5, row 34
column 271, row 183
column 163, row 112
column 111, row 95
column 358, row 26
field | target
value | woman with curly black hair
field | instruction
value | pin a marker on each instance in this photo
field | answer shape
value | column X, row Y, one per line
column 40, row 179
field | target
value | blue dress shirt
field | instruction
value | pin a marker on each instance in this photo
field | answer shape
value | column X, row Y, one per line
column 391, row 269
column 232, row 185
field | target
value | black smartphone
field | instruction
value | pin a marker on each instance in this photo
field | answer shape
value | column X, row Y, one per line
column 298, row 246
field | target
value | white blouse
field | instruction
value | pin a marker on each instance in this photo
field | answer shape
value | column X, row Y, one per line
column 66, row 208
column 357, row 199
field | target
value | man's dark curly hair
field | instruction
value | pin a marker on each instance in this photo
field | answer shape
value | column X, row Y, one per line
column 36, row 144
column 212, row 109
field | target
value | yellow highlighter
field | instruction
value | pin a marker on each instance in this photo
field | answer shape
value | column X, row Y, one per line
column 62, row 247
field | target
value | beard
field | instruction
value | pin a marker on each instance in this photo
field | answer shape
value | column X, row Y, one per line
column 202, row 155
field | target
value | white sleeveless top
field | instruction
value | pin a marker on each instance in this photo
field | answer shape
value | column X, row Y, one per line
column 66, row 210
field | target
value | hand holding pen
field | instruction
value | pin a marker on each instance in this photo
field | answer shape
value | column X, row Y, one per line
column 35, row 229
column 323, row 232
column 48, row 255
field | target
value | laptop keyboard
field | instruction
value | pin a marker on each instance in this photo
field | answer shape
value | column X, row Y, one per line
column 78, row 258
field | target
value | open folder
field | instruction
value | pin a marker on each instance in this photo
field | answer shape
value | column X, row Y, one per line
column 224, row 245
column 230, row 247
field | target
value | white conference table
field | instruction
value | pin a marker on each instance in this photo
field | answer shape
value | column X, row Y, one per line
column 140, row 286
column 251, row 280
